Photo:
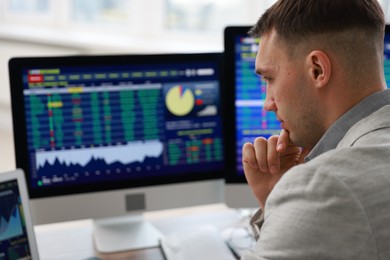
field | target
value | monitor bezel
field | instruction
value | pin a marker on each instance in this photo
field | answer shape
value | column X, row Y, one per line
column 16, row 66
column 230, row 34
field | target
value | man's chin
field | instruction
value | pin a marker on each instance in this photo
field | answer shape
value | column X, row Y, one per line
column 294, row 139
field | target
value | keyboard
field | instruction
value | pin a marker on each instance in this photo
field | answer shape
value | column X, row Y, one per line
column 195, row 243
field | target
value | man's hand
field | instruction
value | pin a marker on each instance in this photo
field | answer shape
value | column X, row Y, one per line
column 265, row 161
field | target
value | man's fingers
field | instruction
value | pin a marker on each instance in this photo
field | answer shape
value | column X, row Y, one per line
column 261, row 146
column 273, row 155
column 249, row 156
column 264, row 154
column 283, row 141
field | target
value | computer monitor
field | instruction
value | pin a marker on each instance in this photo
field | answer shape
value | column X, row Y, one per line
column 245, row 98
column 104, row 136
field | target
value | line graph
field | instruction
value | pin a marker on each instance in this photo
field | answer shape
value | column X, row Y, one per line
column 136, row 151
column 11, row 225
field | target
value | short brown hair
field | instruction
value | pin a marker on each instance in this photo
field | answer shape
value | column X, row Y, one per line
column 297, row 19
column 353, row 29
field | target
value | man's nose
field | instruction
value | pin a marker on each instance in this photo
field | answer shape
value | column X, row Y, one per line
column 269, row 103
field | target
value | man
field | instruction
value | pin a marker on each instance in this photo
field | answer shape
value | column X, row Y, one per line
column 323, row 185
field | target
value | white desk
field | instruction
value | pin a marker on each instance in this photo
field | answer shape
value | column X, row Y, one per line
column 73, row 240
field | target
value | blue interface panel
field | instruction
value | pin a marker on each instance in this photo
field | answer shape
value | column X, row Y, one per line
column 251, row 119
column 387, row 57
column 13, row 233
column 93, row 124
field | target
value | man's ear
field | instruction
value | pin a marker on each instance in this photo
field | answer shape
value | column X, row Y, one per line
column 319, row 68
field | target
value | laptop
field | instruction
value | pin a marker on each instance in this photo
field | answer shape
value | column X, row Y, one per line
column 17, row 239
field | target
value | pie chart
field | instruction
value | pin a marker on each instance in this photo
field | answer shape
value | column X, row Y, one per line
column 179, row 100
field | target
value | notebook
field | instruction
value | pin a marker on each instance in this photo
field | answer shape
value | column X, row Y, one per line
column 200, row 242
column 17, row 239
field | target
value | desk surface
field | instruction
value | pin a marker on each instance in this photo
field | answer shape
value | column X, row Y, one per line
column 73, row 240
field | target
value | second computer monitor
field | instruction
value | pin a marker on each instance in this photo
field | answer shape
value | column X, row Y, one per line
column 245, row 100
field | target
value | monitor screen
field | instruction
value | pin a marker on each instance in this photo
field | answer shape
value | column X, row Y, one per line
column 14, row 243
column 88, row 124
column 246, row 95
column 251, row 119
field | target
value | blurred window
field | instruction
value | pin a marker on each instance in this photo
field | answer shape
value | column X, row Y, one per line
column 32, row 7
column 203, row 15
column 101, row 11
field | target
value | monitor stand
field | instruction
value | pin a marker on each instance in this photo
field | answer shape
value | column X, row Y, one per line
column 124, row 233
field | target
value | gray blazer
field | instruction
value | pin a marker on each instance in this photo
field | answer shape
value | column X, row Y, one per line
column 337, row 206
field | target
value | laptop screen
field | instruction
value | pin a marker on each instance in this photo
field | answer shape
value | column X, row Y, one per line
column 14, row 243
